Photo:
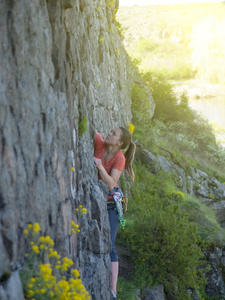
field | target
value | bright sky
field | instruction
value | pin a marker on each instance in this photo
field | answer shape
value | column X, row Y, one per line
column 151, row 2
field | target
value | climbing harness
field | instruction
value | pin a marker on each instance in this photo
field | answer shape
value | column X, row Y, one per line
column 121, row 203
column 124, row 201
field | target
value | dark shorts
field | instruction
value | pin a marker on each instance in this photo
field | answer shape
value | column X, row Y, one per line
column 114, row 224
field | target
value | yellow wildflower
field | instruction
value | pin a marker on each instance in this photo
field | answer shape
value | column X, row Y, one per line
column 75, row 228
column 49, row 241
column 42, row 246
column 64, row 267
column 68, row 261
column 180, row 194
column 35, row 249
column 54, row 254
column 36, row 228
column 131, row 128
column 75, row 273
column 25, row 232
column 30, row 293
column 30, row 226
column 83, row 211
column 41, row 239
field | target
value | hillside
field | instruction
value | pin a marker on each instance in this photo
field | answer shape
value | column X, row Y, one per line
column 180, row 41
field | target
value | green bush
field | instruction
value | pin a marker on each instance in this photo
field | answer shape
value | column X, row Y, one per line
column 175, row 127
column 125, row 289
column 146, row 45
column 204, row 218
column 82, row 126
column 141, row 105
column 120, row 28
column 164, row 244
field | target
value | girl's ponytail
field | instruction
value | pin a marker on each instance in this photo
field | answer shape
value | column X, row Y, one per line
column 129, row 154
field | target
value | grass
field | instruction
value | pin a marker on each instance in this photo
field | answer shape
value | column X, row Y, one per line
column 160, row 218
column 208, row 227
column 125, row 289
column 158, row 138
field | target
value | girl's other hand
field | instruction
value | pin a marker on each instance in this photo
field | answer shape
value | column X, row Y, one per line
column 98, row 162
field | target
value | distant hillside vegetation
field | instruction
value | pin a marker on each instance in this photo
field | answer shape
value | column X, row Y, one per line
column 180, row 41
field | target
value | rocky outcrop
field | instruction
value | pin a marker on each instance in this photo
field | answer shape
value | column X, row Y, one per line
column 154, row 294
column 215, row 286
column 12, row 288
column 64, row 75
column 194, row 181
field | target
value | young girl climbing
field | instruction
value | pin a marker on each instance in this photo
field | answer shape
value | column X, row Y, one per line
column 110, row 162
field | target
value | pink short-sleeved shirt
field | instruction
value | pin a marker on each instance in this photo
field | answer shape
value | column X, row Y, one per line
column 116, row 162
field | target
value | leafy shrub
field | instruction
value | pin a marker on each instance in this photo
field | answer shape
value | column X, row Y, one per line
column 146, row 45
column 201, row 215
column 120, row 28
column 141, row 105
column 164, row 244
column 125, row 289
column 176, row 127
column 82, row 126
column 168, row 106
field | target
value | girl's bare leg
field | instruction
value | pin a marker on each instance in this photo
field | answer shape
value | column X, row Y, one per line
column 115, row 268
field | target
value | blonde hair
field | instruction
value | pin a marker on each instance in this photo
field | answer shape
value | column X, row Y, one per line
column 125, row 138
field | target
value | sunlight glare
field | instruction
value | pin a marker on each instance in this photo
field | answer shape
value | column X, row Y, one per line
column 162, row 2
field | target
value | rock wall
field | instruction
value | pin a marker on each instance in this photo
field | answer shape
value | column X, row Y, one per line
column 64, row 76
column 62, row 62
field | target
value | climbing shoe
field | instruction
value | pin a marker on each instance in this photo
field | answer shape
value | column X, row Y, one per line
column 113, row 296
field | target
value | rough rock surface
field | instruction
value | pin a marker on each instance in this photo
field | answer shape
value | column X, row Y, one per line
column 155, row 294
column 61, row 61
column 12, row 289
column 215, row 282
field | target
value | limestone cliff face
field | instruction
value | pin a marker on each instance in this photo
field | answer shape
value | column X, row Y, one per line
column 61, row 61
